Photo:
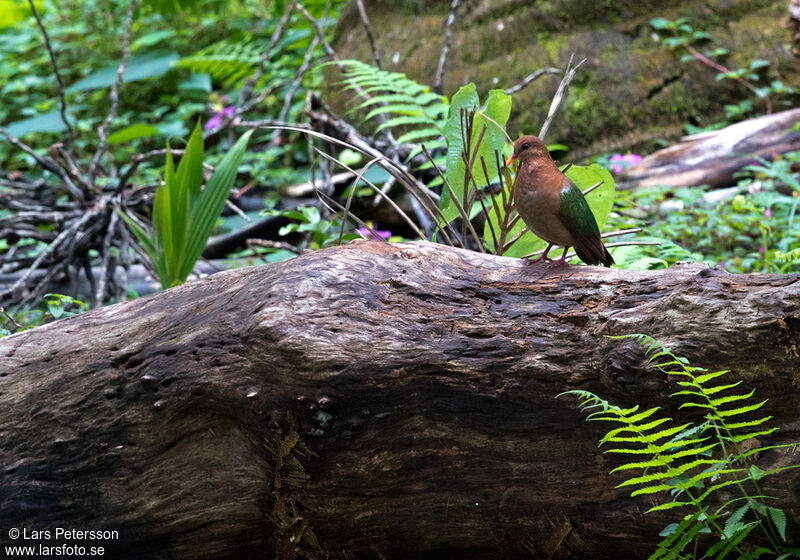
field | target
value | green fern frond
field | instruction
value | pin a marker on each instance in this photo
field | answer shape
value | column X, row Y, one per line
column 229, row 61
column 695, row 461
column 403, row 104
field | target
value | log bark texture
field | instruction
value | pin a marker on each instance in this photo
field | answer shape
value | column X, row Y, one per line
column 712, row 158
column 373, row 401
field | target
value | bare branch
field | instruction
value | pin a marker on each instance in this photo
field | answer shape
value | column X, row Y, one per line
column 47, row 164
column 70, row 132
column 561, row 92
column 103, row 132
column 262, row 62
column 365, row 21
column 53, row 246
column 438, row 83
column 530, row 78
column 298, row 80
column 100, row 289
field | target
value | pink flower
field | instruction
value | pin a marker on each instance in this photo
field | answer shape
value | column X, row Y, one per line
column 367, row 234
column 768, row 212
column 762, row 250
column 217, row 118
column 620, row 161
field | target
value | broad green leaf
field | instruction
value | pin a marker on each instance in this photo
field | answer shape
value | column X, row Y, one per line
column 465, row 98
column 197, row 81
column 493, row 115
column 14, row 11
column 139, row 67
column 46, row 122
column 133, row 132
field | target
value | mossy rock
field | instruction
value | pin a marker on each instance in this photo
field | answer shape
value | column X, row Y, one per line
column 629, row 93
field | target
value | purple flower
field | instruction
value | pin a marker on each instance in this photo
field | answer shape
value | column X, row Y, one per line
column 367, row 234
column 217, row 118
column 762, row 250
column 620, row 161
column 768, row 212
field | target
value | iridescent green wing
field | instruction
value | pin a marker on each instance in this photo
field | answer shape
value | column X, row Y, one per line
column 577, row 217
column 575, row 213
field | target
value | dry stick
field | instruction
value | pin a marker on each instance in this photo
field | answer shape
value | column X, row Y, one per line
column 329, row 203
column 716, row 66
column 297, row 81
column 468, row 176
column 483, row 206
column 395, row 168
column 70, row 132
column 530, row 78
column 262, row 62
column 438, row 83
column 53, row 246
column 139, row 158
column 593, row 187
column 365, row 21
column 561, row 92
column 387, row 186
column 351, row 194
column 46, row 163
column 11, row 318
column 103, row 132
column 621, row 232
column 332, row 53
column 402, row 214
column 70, row 167
column 236, row 210
column 101, row 283
column 436, row 206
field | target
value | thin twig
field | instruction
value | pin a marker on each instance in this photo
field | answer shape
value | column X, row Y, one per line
column 352, row 193
column 238, row 211
column 298, row 80
column 103, row 132
column 53, row 246
column 400, row 212
column 62, row 97
column 368, row 28
column 561, row 92
column 386, row 133
column 269, row 123
column 139, row 158
column 720, row 68
column 247, row 90
column 107, row 254
column 593, row 187
column 438, row 83
column 11, row 318
column 621, row 232
column 47, row 164
column 530, row 78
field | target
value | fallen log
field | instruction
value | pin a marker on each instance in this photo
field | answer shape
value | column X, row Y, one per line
column 372, row 401
column 712, row 158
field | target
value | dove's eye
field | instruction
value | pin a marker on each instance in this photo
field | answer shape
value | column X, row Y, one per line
column 525, row 146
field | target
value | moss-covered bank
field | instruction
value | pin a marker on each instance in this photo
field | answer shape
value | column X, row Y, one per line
column 630, row 92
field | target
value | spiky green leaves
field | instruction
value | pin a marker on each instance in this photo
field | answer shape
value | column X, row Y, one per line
column 184, row 213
